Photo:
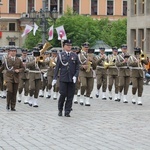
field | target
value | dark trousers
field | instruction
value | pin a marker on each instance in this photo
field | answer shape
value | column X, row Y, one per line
column 66, row 90
column 11, row 94
column 24, row 83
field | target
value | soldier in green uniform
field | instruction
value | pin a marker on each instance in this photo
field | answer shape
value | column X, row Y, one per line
column 123, row 73
column 13, row 67
column 101, row 73
column 87, row 65
column 24, row 79
column 113, row 73
column 136, row 62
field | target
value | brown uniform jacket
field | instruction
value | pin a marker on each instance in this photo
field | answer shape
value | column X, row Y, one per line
column 100, row 65
column 9, row 65
column 136, row 68
column 112, row 69
column 82, row 58
column 123, row 68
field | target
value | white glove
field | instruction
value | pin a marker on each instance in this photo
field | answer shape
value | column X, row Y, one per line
column 74, row 79
column 54, row 82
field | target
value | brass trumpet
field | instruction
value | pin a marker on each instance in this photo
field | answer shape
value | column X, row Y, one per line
column 52, row 62
column 142, row 56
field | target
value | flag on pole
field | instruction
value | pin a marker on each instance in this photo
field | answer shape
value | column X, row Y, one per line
column 35, row 27
column 27, row 30
column 61, row 33
column 50, row 33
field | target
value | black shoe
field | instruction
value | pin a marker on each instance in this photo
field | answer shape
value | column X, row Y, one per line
column 133, row 102
column 30, row 104
column 3, row 97
column 48, row 96
column 75, row 102
column 41, row 96
column 97, row 95
column 7, row 107
column 118, row 100
column 67, row 115
column 26, row 103
column 35, row 106
column 81, row 103
column 110, row 98
column 60, row 113
column 13, row 109
column 19, row 101
column 104, row 98
column 125, row 102
column 140, row 104
column 87, row 105
column 54, row 98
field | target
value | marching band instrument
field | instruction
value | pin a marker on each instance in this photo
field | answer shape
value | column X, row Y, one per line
column 88, row 63
column 41, row 58
column 111, row 62
column 142, row 56
column 52, row 62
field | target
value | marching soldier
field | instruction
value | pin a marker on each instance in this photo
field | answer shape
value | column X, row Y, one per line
column 113, row 73
column 68, row 64
column 123, row 73
column 24, row 79
column 76, row 50
column 87, row 65
column 137, row 71
column 50, row 73
column 101, row 73
column 44, row 78
column 13, row 66
column 34, row 67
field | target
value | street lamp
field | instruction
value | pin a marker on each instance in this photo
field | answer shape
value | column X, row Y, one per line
column 43, row 14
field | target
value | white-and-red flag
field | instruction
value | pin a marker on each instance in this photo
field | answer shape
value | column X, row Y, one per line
column 27, row 30
column 35, row 28
column 61, row 33
column 50, row 33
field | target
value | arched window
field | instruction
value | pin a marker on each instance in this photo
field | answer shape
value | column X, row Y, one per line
column 12, row 6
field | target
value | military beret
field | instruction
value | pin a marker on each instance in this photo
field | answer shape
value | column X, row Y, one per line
column 40, row 46
column 69, row 42
column 36, row 49
column 85, row 44
column 124, row 46
column 102, row 48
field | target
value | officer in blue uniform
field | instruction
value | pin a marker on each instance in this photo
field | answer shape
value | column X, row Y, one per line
column 68, row 65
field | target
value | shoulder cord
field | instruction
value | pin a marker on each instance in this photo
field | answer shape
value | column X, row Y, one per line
column 9, row 69
column 83, row 57
column 64, row 64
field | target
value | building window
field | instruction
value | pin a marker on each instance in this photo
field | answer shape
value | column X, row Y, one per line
column 93, row 7
column 53, row 4
column 147, row 7
column 12, row 43
column 11, row 26
column 12, row 6
column 46, row 3
column 147, row 40
column 76, row 6
column 135, row 7
column 30, row 5
column 141, row 38
column 143, row 6
column 109, row 7
column 124, row 8
column 61, row 6
column 133, row 38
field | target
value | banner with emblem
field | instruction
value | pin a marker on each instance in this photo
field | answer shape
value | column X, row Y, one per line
column 61, row 33
column 50, row 33
column 27, row 30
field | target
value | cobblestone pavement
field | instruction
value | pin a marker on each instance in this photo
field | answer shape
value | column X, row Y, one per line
column 106, row 125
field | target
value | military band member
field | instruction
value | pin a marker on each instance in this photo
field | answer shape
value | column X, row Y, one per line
column 13, row 66
column 87, row 65
column 68, row 64
column 137, row 71
column 34, row 67
column 101, row 73
column 50, row 72
column 123, row 73
column 76, row 50
column 113, row 73
column 24, row 79
column 44, row 78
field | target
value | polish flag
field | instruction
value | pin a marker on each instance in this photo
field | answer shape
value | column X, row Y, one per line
column 27, row 30
column 35, row 28
column 50, row 33
column 61, row 33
